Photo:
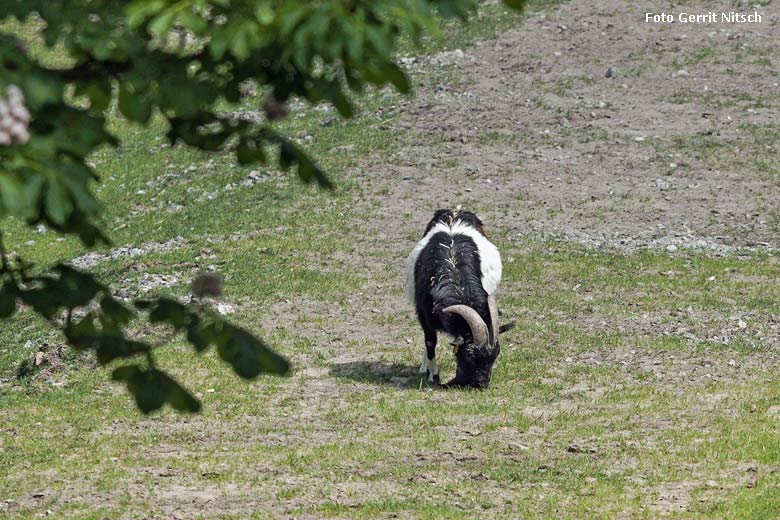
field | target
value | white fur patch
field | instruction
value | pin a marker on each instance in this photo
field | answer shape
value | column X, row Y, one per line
column 430, row 366
column 490, row 259
column 424, row 364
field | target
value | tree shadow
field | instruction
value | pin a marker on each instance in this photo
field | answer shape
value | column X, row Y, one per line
column 379, row 373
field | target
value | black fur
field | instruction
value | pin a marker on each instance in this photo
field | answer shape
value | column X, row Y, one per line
column 447, row 272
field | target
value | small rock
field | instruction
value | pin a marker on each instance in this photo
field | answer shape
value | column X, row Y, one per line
column 671, row 248
column 773, row 411
column 741, row 324
column 576, row 448
column 225, row 308
column 344, row 148
column 518, row 446
column 611, row 71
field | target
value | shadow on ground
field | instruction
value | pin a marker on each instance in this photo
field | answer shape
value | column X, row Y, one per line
column 379, row 373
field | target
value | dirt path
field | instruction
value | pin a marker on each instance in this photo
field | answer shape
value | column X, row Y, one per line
column 531, row 132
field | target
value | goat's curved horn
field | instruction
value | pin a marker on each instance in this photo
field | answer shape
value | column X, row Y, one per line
column 475, row 322
column 493, row 306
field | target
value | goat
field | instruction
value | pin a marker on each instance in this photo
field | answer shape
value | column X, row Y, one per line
column 451, row 278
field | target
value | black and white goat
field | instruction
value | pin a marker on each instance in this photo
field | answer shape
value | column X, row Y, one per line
column 451, row 277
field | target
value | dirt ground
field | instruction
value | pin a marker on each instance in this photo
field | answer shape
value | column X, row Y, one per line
column 542, row 145
column 532, row 134
column 546, row 144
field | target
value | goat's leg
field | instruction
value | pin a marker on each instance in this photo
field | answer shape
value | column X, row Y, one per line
column 429, row 365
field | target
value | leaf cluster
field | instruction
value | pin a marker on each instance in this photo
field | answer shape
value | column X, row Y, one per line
column 94, row 320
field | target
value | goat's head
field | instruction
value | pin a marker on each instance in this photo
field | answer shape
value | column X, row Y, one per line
column 475, row 356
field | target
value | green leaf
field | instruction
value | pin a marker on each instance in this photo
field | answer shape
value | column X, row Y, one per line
column 114, row 309
column 308, row 171
column 249, row 356
column 290, row 21
column 78, row 333
column 342, row 104
column 515, row 4
column 42, row 300
column 192, row 21
column 41, row 88
column 152, row 388
column 111, row 347
column 162, row 23
column 201, row 335
column 240, row 46
column 264, row 13
column 397, row 77
column 249, row 151
column 7, row 299
column 140, row 10
column 380, row 40
column 31, row 192
column 354, row 43
column 171, row 312
column 11, row 195
column 136, row 106
column 75, row 288
column 99, row 93
column 58, row 204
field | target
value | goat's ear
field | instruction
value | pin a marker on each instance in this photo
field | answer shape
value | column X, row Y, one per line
column 509, row 326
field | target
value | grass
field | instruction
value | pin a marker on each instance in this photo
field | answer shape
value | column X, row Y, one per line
column 628, row 388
